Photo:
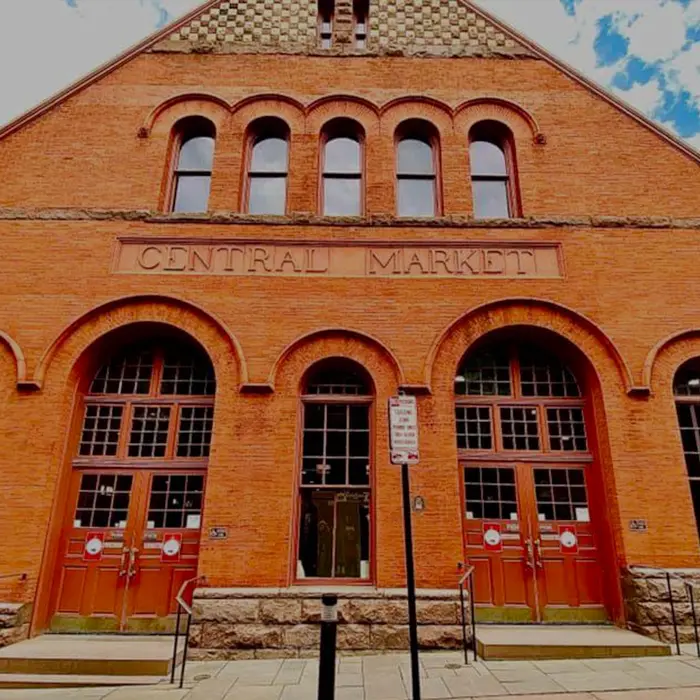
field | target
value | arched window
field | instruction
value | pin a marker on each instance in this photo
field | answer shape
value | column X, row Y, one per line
column 326, row 13
column 491, row 157
column 335, row 484
column 268, row 167
column 416, row 169
column 121, row 422
column 342, row 192
column 686, row 388
column 360, row 19
column 192, row 181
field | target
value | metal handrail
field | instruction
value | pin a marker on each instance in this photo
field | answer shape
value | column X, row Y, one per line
column 468, row 576
column 690, row 587
column 183, row 605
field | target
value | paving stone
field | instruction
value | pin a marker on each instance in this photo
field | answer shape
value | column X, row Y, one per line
column 241, row 692
column 211, row 689
column 467, row 685
column 609, row 680
column 542, row 684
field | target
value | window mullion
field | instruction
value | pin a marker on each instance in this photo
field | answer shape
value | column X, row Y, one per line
column 324, row 470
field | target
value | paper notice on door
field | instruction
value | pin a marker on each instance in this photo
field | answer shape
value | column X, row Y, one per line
column 541, row 517
column 470, row 515
column 513, row 516
column 582, row 515
column 193, row 522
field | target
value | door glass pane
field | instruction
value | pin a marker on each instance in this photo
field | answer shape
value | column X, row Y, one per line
column 103, row 500
column 334, row 534
column 192, row 193
column 561, row 494
column 267, row 195
column 490, row 493
column 416, row 197
column 341, row 196
column 175, row 501
column 490, row 199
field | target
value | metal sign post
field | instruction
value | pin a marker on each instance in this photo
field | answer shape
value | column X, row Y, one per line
column 403, row 429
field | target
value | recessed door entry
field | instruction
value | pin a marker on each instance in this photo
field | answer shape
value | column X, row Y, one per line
column 528, row 533
column 130, row 539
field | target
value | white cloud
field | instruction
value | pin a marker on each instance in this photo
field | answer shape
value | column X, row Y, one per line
column 645, row 98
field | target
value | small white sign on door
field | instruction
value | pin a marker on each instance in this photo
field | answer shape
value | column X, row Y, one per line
column 403, row 429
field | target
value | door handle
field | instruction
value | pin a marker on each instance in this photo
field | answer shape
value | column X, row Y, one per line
column 538, row 549
column 133, row 552
column 123, row 564
column 530, row 561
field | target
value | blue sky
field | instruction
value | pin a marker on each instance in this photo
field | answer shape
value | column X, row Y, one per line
column 646, row 51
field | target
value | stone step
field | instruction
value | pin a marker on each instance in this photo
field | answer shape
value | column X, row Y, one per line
column 83, row 655
column 523, row 642
column 38, row 680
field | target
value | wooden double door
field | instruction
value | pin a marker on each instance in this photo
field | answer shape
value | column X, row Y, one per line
column 130, row 539
column 530, row 537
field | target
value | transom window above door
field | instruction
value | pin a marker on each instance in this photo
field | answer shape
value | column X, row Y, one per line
column 149, row 402
column 518, row 399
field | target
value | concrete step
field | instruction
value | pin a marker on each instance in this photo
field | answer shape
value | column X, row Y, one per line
column 44, row 680
column 89, row 654
column 533, row 642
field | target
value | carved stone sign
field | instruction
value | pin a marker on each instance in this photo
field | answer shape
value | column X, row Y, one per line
column 342, row 259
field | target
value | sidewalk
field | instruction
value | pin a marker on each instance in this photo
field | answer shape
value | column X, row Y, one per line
column 444, row 676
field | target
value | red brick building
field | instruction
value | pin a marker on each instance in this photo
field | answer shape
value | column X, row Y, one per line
column 223, row 253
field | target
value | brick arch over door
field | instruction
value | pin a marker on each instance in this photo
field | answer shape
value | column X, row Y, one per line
column 216, row 338
column 606, row 360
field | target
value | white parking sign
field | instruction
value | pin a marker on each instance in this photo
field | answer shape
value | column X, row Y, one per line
column 403, row 429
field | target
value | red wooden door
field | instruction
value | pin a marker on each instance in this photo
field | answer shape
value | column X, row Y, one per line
column 130, row 540
column 529, row 536
column 97, row 536
column 167, row 541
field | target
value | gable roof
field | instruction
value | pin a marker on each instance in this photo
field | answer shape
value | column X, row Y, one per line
column 414, row 27
column 167, row 32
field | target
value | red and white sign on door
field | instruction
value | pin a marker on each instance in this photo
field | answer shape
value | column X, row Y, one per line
column 493, row 540
column 94, row 546
column 568, row 541
column 403, row 429
column 172, row 545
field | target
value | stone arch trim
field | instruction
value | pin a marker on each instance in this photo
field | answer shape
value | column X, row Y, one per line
column 437, row 113
column 667, row 344
column 193, row 97
column 339, row 99
column 368, row 341
column 583, row 333
column 169, row 310
column 498, row 104
column 18, row 354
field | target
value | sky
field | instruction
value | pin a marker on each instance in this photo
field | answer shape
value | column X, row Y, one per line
column 645, row 51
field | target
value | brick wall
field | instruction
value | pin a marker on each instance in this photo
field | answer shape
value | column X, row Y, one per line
column 626, row 287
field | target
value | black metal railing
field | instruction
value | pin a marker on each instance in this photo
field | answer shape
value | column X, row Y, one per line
column 468, row 580
column 183, row 605
column 690, row 589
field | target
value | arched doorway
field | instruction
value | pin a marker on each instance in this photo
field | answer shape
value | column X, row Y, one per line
column 526, row 461
column 335, row 484
column 138, row 459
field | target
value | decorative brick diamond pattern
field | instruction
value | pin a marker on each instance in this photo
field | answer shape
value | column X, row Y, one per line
column 414, row 26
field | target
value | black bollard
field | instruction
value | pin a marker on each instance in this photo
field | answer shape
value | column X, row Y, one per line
column 329, row 630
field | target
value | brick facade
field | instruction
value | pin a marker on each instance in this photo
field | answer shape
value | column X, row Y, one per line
column 621, row 201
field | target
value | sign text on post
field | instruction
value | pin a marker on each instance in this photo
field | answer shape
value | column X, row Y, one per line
column 403, row 429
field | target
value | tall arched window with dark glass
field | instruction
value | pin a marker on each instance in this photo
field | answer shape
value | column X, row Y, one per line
column 342, row 193
column 492, row 158
column 192, row 181
column 686, row 389
column 335, row 484
column 268, row 167
column 416, row 170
